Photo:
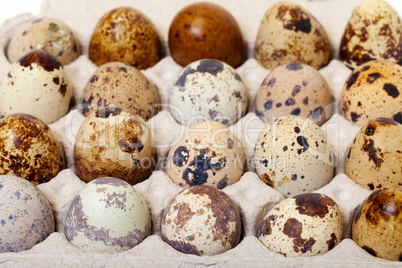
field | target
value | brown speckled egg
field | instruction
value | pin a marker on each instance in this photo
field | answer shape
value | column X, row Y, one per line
column 116, row 84
column 207, row 153
column 201, row 220
column 294, row 89
column 114, row 143
column 293, row 156
column 372, row 91
column 302, row 226
column 49, row 34
column 377, row 225
column 374, row 159
column 126, row 35
column 37, row 85
column 289, row 33
column 374, row 32
column 206, row 31
column 28, row 149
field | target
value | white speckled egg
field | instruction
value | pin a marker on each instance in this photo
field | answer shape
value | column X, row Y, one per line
column 373, row 90
column 114, row 143
column 374, row 159
column 289, row 33
column 201, row 220
column 49, row 34
column 373, row 32
column 116, row 84
column 208, row 90
column 292, row 155
column 26, row 215
column 207, row 153
column 28, row 149
column 302, row 226
column 36, row 85
column 294, row 89
column 377, row 224
column 108, row 216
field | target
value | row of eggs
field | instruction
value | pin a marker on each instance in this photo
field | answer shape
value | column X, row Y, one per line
column 108, row 216
column 287, row 33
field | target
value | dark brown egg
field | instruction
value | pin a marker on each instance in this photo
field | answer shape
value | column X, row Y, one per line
column 126, row 35
column 205, row 30
column 28, row 149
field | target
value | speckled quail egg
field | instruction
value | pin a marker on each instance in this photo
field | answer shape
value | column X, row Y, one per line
column 26, row 216
column 207, row 153
column 302, row 226
column 108, row 216
column 126, row 35
column 36, row 85
column 120, row 85
column 375, row 157
column 49, row 34
column 294, row 89
column 293, row 156
column 377, row 225
column 373, row 91
column 201, row 220
column 28, row 149
column 208, row 90
column 205, row 30
column 114, row 143
column 289, row 33
column 372, row 33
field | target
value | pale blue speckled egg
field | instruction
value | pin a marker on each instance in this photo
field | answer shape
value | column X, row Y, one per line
column 26, row 217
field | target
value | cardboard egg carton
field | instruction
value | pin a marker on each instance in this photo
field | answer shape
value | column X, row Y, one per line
column 252, row 196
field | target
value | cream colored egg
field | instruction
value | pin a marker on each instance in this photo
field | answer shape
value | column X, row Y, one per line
column 207, row 153
column 293, row 156
column 208, row 90
column 201, row 220
column 305, row 225
column 36, row 85
column 294, row 89
column 373, row 32
column 377, row 225
column 372, row 91
column 116, row 84
column 49, row 34
column 114, row 143
column 289, row 33
column 374, row 158
column 29, row 149
column 107, row 216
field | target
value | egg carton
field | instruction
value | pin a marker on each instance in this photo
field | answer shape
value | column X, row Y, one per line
column 252, row 196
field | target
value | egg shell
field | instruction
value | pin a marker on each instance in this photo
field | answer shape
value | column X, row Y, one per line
column 305, row 225
column 294, row 89
column 374, row 158
column 26, row 216
column 37, row 85
column 49, row 34
column 208, row 90
column 293, row 156
column 289, row 33
column 206, row 30
column 114, row 143
column 207, row 153
column 117, row 84
column 372, row 91
column 373, row 32
column 377, row 226
column 201, row 220
column 29, row 149
column 108, row 216
column 126, row 35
